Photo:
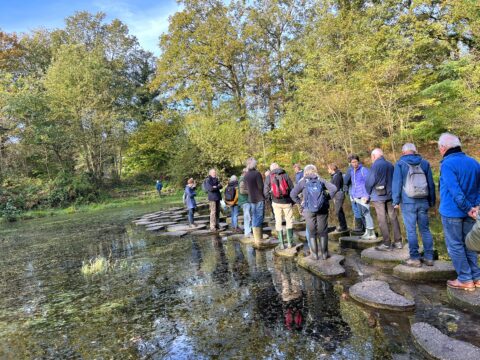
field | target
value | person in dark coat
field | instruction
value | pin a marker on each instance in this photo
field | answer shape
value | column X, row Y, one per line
column 298, row 173
column 254, row 183
column 212, row 185
column 189, row 199
column 379, row 188
column 339, row 198
column 159, row 187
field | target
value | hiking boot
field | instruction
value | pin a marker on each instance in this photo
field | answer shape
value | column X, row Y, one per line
column 290, row 238
column 429, row 262
column 398, row 245
column 413, row 263
column 383, row 247
column 456, row 284
column 369, row 235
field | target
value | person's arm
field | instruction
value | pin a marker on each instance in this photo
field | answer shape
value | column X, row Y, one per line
column 331, row 188
column 208, row 185
column 397, row 184
column 259, row 180
column 432, row 198
column 267, row 187
column 336, row 180
column 347, row 178
column 370, row 179
column 296, row 191
column 450, row 181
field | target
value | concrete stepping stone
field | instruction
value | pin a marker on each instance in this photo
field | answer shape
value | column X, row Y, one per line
column 385, row 259
column 302, row 235
column 155, row 228
column 225, row 233
column 436, row 345
column 326, row 269
column 356, row 242
column 201, row 222
column 236, row 237
column 288, row 252
column 299, row 225
column 203, row 232
column 377, row 294
column 174, row 233
column 185, row 228
column 465, row 299
column 202, row 217
column 143, row 222
column 268, row 243
column 267, row 230
column 177, row 208
column 336, row 235
column 247, row 240
column 166, row 223
column 440, row 271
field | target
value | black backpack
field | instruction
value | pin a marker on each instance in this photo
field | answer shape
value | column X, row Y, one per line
column 230, row 192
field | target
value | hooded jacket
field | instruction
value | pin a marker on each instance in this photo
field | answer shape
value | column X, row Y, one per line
column 190, row 197
column 400, row 176
column 267, row 189
column 380, row 174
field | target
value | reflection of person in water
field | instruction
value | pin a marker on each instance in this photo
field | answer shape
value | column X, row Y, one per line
column 197, row 258
column 240, row 266
column 221, row 272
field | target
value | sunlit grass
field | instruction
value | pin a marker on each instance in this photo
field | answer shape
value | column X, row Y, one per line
column 98, row 265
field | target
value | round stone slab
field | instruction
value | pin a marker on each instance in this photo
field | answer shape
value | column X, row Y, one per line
column 166, row 223
column 377, row 294
column 174, row 233
column 336, row 235
column 267, row 230
column 201, row 232
column 440, row 271
column 202, row 222
column 385, row 259
column 302, row 235
column 288, row 252
column 356, row 242
column 465, row 299
column 299, row 225
column 268, row 243
column 236, row 237
column 436, row 345
column 155, row 228
column 326, row 269
column 185, row 228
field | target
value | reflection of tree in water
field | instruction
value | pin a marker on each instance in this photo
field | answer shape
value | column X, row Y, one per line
column 220, row 274
column 240, row 266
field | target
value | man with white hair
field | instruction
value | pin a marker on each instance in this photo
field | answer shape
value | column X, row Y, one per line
column 459, row 205
column 414, row 189
column 277, row 187
column 212, row 185
column 254, row 183
column 379, row 188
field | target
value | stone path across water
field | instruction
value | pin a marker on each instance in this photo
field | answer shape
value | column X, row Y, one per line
column 440, row 271
column 377, row 294
column 288, row 252
column 469, row 300
column 329, row 268
column 356, row 242
column 385, row 259
column 267, row 243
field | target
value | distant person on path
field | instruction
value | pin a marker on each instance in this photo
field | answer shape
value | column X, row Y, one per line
column 243, row 202
column 159, row 187
column 254, row 183
column 298, row 173
column 357, row 214
column 231, row 199
column 357, row 177
column 339, row 198
column 316, row 195
column 379, row 188
column 212, row 185
column 277, row 187
column 189, row 200
column 414, row 190
column 459, row 205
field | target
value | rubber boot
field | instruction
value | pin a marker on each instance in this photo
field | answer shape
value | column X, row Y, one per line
column 290, row 238
column 324, row 247
column 280, row 238
column 369, row 235
column 313, row 248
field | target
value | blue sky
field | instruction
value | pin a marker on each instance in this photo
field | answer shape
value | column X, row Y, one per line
column 146, row 19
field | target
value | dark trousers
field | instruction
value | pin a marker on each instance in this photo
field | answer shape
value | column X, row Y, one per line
column 338, row 200
column 382, row 208
column 317, row 224
column 190, row 216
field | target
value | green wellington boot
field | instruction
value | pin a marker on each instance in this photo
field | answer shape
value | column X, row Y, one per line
column 290, row 238
column 280, row 238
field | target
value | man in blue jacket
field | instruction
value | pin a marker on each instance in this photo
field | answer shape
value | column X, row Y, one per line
column 459, row 205
column 212, row 185
column 379, row 188
column 414, row 207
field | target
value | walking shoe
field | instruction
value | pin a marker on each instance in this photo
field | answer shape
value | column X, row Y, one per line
column 413, row 263
column 476, row 283
column 383, row 247
column 398, row 245
column 456, row 284
column 429, row 262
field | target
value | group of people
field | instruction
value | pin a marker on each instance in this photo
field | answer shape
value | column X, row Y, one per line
column 408, row 185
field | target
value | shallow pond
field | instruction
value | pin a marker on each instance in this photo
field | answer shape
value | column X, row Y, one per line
column 191, row 298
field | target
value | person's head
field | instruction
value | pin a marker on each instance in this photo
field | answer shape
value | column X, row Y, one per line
column 297, row 168
column 233, row 178
column 212, row 173
column 251, row 163
column 191, row 182
column 310, row 170
column 409, row 149
column 332, row 167
column 448, row 141
column 377, row 153
column 274, row 166
column 244, row 171
column 354, row 161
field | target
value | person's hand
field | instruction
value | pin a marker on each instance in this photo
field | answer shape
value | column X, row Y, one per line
column 396, row 206
column 473, row 213
column 364, row 200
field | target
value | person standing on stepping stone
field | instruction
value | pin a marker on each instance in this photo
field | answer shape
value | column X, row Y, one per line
column 379, row 188
column 277, row 187
column 212, row 185
column 357, row 175
column 459, row 205
column 254, row 183
column 316, row 195
column 337, row 180
column 231, row 199
column 414, row 190
column 245, row 205
column 189, row 200
column 357, row 214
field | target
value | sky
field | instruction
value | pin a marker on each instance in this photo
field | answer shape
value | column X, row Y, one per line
column 146, row 19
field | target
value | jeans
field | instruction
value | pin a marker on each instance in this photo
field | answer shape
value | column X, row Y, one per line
column 464, row 260
column 287, row 211
column 234, row 215
column 190, row 216
column 214, row 214
column 247, row 219
column 382, row 208
column 355, row 208
column 317, row 224
column 364, row 210
column 257, row 213
column 338, row 200
column 413, row 214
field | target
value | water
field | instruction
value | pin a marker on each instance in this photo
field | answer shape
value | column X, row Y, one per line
column 189, row 298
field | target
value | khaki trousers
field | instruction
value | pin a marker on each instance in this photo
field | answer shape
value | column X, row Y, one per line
column 287, row 210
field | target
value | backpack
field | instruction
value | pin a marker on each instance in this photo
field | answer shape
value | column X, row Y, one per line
column 279, row 185
column 314, row 195
column 230, row 192
column 416, row 185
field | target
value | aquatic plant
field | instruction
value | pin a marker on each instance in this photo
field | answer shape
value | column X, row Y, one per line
column 98, row 265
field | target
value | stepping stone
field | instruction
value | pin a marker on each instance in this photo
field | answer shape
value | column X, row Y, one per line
column 436, row 345
column 167, row 223
column 440, row 271
column 174, row 233
column 465, row 299
column 377, row 294
column 202, row 222
column 385, row 259
column 325, row 269
column 202, row 206
column 299, row 225
column 236, row 237
column 178, row 208
column 223, row 225
column 288, row 252
column 155, row 228
column 201, row 232
column 267, row 230
column 246, row 240
column 302, row 235
column 202, row 217
column 336, row 235
column 185, row 228
column 268, row 243
column 356, row 242
column 225, row 233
